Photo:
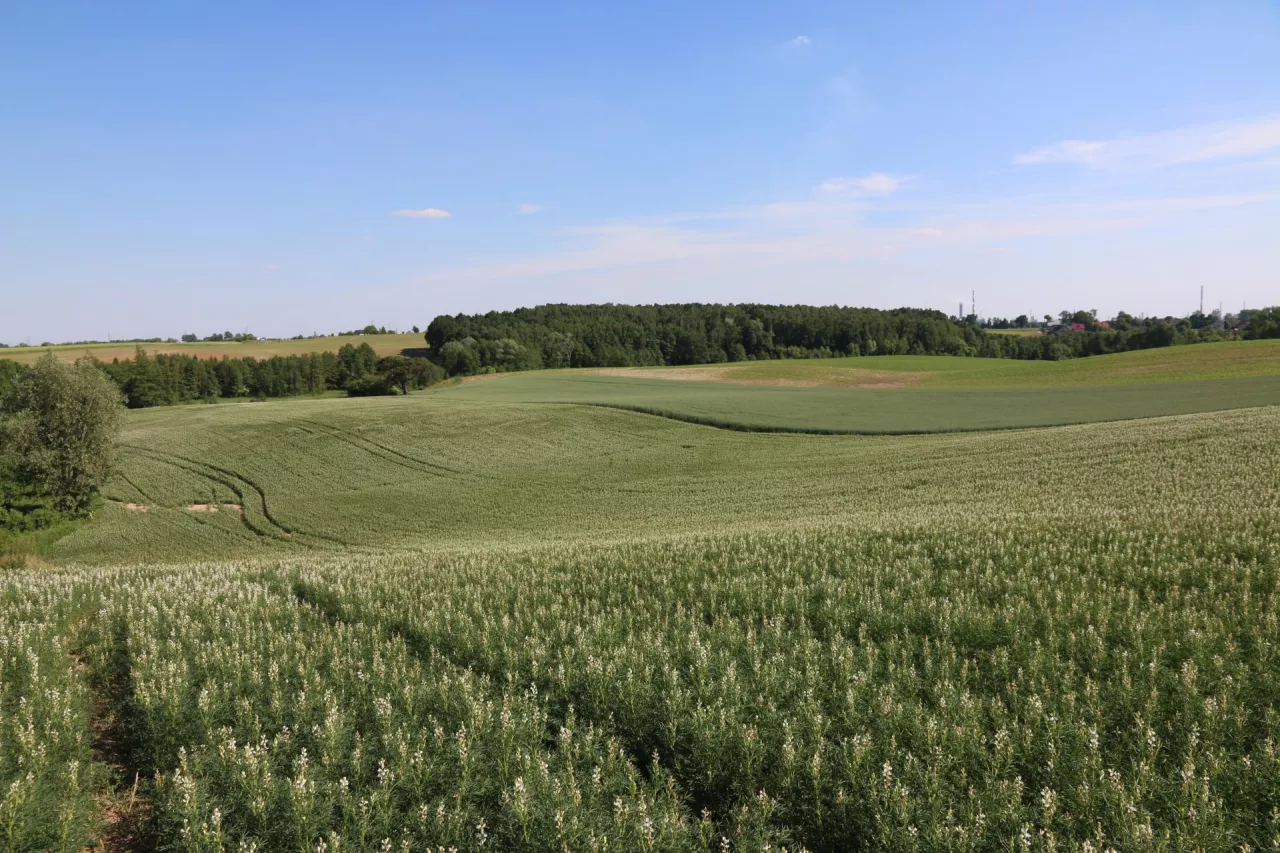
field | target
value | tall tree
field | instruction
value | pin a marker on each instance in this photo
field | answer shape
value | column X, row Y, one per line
column 61, row 426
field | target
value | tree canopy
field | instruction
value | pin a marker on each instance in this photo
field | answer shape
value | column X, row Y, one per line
column 61, row 422
column 624, row 335
column 166, row 378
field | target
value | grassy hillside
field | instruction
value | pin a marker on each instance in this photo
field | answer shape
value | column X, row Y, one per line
column 427, row 471
column 382, row 344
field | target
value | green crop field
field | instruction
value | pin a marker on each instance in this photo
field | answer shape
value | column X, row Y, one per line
column 915, row 394
column 1169, row 364
column 382, row 345
column 789, row 406
column 426, row 471
column 482, row 618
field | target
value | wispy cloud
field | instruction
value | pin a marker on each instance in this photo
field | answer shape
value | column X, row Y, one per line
column 878, row 183
column 800, row 41
column 1015, row 219
column 1196, row 144
column 817, row 231
column 530, row 208
column 423, row 213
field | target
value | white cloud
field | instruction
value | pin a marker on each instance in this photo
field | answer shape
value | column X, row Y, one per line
column 800, row 41
column 1067, row 151
column 1196, row 144
column 530, row 208
column 878, row 183
column 423, row 213
column 803, row 233
column 272, row 267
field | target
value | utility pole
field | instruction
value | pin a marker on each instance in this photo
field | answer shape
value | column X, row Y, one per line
column 1202, row 299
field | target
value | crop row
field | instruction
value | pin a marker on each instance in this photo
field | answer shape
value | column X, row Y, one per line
column 47, row 772
column 1057, row 686
column 954, row 690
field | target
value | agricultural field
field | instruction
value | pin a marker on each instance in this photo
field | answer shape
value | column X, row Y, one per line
column 425, row 471
column 914, row 394
column 391, row 344
column 1167, row 364
column 1020, row 333
column 442, row 623
column 872, row 411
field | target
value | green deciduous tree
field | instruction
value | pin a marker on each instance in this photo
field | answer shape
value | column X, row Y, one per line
column 408, row 374
column 60, row 426
column 1264, row 324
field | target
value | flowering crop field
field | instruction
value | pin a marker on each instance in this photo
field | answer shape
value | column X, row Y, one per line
column 434, row 625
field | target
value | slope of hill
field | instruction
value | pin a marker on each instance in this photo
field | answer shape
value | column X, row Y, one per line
column 914, row 394
column 391, row 344
column 427, row 470
column 1165, row 364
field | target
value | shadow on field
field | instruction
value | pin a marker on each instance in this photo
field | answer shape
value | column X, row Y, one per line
column 119, row 743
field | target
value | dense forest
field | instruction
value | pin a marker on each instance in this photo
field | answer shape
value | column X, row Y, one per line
column 623, row 335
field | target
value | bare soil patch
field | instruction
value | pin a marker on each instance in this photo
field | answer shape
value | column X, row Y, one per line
column 137, row 507
column 481, row 377
column 215, row 507
column 717, row 373
column 739, row 374
column 856, row 379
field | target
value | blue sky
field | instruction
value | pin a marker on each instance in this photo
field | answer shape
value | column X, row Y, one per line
column 289, row 168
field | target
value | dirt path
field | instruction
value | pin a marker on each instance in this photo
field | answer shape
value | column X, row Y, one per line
column 124, row 811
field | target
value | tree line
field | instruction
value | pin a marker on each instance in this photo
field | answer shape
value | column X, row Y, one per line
column 554, row 336
column 637, row 335
column 551, row 336
column 163, row 379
